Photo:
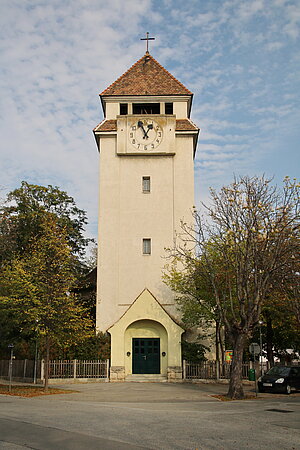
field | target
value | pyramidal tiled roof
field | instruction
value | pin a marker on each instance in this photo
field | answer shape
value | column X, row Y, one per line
column 146, row 77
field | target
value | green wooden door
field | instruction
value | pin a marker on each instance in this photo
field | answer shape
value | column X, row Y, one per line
column 146, row 355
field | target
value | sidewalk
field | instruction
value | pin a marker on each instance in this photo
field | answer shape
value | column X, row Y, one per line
column 133, row 392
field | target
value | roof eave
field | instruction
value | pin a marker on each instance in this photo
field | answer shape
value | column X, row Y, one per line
column 190, row 105
column 103, row 105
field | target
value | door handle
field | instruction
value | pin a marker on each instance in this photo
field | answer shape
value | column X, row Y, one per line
column 144, row 356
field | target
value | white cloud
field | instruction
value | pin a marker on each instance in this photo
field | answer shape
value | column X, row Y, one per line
column 293, row 15
column 239, row 57
column 272, row 46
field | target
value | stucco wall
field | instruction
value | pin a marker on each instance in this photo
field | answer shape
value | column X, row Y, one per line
column 127, row 215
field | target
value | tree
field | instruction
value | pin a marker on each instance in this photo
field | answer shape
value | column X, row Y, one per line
column 36, row 289
column 21, row 218
column 280, row 327
column 253, row 229
column 195, row 297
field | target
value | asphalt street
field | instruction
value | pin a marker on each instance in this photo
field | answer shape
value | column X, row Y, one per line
column 149, row 416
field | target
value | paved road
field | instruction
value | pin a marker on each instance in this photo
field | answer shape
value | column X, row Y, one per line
column 148, row 416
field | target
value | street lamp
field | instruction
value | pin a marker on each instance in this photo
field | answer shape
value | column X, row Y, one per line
column 36, row 352
column 11, row 346
column 260, row 322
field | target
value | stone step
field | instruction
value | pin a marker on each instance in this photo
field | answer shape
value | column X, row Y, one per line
column 147, row 378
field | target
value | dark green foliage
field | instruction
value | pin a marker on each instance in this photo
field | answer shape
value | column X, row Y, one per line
column 193, row 351
column 95, row 347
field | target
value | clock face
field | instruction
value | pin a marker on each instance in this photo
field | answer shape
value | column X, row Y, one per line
column 145, row 134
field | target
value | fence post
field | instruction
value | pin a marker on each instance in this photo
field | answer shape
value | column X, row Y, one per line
column 107, row 370
column 184, row 369
column 217, row 370
column 24, row 368
column 74, row 367
column 42, row 369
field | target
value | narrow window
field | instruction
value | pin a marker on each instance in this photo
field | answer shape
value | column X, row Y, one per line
column 146, row 185
column 123, row 109
column 168, row 108
column 147, row 246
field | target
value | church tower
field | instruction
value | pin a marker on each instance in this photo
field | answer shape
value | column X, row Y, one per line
column 147, row 144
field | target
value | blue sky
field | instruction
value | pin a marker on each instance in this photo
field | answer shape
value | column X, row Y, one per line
column 240, row 58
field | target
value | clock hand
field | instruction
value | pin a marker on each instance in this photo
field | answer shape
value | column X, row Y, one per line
column 140, row 125
column 150, row 127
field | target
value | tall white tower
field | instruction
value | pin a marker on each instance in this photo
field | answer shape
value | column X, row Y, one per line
column 147, row 145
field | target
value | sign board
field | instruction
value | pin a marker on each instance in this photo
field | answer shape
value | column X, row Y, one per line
column 228, row 356
column 254, row 348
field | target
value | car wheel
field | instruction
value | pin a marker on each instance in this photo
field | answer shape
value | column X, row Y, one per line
column 288, row 389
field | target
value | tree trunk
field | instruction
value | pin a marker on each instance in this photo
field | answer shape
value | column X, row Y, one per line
column 47, row 364
column 235, row 390
column 221, row 341
column 217, row 341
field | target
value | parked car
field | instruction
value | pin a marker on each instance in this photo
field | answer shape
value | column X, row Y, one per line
column 280, row 379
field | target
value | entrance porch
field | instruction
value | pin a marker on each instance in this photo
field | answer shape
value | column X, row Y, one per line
column 146, row 343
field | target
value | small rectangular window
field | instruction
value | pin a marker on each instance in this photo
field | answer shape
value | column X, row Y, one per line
column 147, row 246
column 146, row 108
column 168, row 108
column 123, row 109
column 146, row 185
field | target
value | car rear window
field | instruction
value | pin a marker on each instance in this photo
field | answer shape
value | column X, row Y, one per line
column 278, row 370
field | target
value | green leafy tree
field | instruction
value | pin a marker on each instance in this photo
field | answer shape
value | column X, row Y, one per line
column 195, row 296
column 22, row 218
column 22, row 215
column 280, row 327
column 253, row 228
column 36, row 290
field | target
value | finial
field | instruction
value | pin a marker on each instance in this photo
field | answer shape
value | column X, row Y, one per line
column 147, row 38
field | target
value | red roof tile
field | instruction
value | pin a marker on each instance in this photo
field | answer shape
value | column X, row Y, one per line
column 146, row 77
column 185, row 125
column 107, row 125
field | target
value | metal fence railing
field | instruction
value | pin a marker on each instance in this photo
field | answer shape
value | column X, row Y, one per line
column 62, row 369
column 22, row 369
column 29, row 370
column 210, row 370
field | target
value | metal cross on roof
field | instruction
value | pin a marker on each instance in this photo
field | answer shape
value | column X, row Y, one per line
column 147, row 38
